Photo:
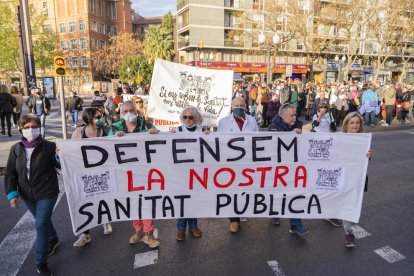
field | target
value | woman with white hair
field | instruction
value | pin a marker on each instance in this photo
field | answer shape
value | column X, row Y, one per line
column 191, row 120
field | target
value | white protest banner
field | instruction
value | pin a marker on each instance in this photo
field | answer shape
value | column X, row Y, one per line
column 164, row 176
column 176, row 86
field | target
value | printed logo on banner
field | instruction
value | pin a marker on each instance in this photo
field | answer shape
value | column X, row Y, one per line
column 319, row 149
column 93, row 184
column 330, row 178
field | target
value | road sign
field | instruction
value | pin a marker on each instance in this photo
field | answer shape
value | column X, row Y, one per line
column 60, row 66
column 289, row 70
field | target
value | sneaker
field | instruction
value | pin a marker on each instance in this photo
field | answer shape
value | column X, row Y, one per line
column 150, row 240
column 381, row 122
column 180, row 236
column 407, row 121
column 275, row 221
column 196, row 232
column 298, row 230
column 234, row 227
column 43, row 269
column 350, row 240
column 83, row 239
column 107, row 229
column 385, row 125
column 53, row 244
column 372, row 125
column 334, row 222
column 136, row 238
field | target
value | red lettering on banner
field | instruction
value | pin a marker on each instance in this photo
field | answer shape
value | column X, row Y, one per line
column 250, row 178
column 203, row 181
column 300, row 177
column 263, row 178
column 279, row 175
column 131, row 187
column 151, row 180
column 233, row 176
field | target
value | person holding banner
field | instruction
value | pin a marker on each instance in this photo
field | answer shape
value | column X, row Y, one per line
column 31, row 175
column 238, row 121
column 353, row 123
column 131, row 122
column 286, row 120
column 94, row 127
column 191, row 120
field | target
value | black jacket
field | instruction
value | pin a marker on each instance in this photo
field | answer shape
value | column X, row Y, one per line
column 7, row 102
column 43, row 182
column 278, row 125
column 31, row 103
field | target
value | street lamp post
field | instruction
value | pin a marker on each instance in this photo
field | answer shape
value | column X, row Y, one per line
column 269, row 49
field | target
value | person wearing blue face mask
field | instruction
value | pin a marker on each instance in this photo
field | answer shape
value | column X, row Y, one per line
column 238, row 121
column 31, row 176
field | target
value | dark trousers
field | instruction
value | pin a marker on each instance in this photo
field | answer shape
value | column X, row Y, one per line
column 5, row 116
column 16, row 118
column 389, row 109
column 341, row 114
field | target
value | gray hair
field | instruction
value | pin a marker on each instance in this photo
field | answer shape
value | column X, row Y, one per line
column 129, row 103
column 198, row 118
column 285, row 107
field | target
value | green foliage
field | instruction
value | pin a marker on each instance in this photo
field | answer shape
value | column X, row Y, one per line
column 9, row 49
column 137, row 64
column 159, row 41
column 45, row 47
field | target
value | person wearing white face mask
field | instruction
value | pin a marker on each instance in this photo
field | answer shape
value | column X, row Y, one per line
column 31, row 175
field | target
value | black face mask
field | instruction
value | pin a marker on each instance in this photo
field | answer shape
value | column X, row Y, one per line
column 191, row 128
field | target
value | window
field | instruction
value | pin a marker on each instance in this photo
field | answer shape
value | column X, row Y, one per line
column 81, row 25
column 94, row 44
column 94, row 25
column 114, row 31
column 68, row 62
column 101, row 28
column 82, row 42
column 64, row 45
column 45, row 10
column 108, row 30
column 100, row 8
column 108, row 10
column 142, row 30
column 92, row 6
column 62, row 27
column 113, row 9
column 72, row 26
column 73, row 44
column 48, row 27
column 75, row 62
column 84, row 61
column 76, row 80
column 101, row 44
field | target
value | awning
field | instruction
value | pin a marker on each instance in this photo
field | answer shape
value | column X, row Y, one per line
column 237, row 77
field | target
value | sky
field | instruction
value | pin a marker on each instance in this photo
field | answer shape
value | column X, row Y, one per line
column 154, row 7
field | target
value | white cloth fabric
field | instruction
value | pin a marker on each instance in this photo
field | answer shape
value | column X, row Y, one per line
column 28, row 157
column 229, row 124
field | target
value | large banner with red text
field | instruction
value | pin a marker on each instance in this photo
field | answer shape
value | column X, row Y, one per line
column 220, row 175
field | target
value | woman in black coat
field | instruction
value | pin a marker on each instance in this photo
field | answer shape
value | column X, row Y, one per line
column 7, row 103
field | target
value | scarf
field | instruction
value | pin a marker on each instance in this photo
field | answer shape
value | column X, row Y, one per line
column 32, row 144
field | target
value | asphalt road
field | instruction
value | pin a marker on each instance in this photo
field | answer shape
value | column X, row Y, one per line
column 260, row 248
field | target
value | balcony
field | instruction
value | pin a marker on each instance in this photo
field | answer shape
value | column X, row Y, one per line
column 181, row 4
column 236, row 4
column 233, row 43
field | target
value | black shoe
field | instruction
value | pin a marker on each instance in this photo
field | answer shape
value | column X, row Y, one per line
column 3, row 132
column 53, row 244
column 43, row 269
column 10, row 135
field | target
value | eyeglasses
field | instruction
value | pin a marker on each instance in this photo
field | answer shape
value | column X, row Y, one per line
column 139, row 101
column 185, row 117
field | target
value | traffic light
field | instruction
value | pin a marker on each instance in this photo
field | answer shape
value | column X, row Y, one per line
column 60, row 66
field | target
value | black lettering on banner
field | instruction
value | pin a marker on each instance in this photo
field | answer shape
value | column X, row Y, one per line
column 176, row 151
column 293, row 211
column 120, row 153
column 259, row 201
column 154, row 204
column 293, row 144
column 271, row 211
column 85, row 213
column 204, row 144
column 148, row 151
column 126, row 210
column 233, row 147
column 103, row 209
column 220, row 205
column 140, row 207
column 283, row 204
column 317, row 203
column 86, row 163
column 167, row 205
column 182, row 198
column 256, row 148
column 246, row 204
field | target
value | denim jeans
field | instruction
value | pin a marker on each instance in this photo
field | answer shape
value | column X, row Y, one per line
column 295, row 222
column 182, row 224
column 43, row 126
column 42, row 211
column 75, row 116
column 369, row 118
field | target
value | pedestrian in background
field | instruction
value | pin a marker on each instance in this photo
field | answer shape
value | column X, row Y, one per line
column 40, row 105
column 388, row 94
column 74, row 106
column 17, row 109
column 7, row 103
column 31, row 175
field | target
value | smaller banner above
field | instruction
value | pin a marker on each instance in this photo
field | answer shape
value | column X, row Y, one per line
column 176, row 86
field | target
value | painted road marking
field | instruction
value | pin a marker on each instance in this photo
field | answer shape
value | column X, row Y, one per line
column 277, row 270
column 360, row 232
column 17, row 244
column 389, row 254
column 145, row 259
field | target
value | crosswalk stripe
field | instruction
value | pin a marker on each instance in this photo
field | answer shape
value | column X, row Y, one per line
column 389, row 254
column 360, row 232
column 145, row 259
column 277, row 270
